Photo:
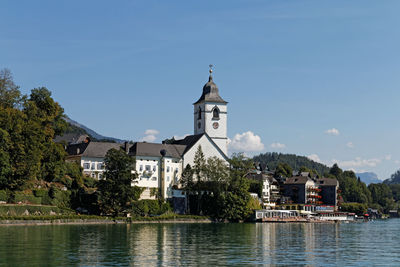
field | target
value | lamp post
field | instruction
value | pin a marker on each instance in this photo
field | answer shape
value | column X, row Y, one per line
column 163, row 152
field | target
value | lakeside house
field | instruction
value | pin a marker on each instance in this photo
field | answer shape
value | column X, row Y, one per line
column 305, row 190
column 270, row 188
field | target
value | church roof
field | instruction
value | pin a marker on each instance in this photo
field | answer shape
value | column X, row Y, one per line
column 188, row 141
column 210, row 93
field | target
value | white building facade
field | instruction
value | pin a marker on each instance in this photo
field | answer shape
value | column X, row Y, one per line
column 160, row 166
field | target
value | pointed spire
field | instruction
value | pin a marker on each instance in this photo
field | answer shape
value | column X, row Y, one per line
column 210, row 90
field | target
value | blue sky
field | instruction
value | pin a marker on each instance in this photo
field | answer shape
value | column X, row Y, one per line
column 314, row 78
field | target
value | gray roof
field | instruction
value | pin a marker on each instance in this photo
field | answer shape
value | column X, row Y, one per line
column 153, row 150
column 328, row 182
column 210, row 93
column 92, row 149
column 297, row 180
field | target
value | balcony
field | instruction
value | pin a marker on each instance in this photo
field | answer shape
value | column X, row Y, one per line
column 314, row 196
column 314, row 189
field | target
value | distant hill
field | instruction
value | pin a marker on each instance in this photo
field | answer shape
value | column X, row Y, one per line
column 76, row 127
column 369, row 178
column 394, row 178
column 294, row 161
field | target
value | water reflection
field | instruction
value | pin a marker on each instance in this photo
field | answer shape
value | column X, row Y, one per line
column 201, row 244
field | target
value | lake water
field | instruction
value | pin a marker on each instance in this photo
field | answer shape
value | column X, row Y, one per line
column 355, row 244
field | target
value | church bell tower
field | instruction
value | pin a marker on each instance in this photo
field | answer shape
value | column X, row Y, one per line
column 210, row 115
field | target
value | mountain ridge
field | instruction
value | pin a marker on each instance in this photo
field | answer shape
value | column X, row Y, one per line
column 369, row 178
column 91, row 132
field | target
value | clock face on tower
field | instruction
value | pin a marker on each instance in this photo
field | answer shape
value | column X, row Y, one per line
column 215, row 125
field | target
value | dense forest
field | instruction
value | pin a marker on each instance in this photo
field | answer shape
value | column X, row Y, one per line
column 272, row 159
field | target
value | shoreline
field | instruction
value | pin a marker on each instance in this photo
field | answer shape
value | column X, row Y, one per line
column 119, row 221
column 95, row 221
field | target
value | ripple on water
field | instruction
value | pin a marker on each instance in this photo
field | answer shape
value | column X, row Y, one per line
column 373, row 243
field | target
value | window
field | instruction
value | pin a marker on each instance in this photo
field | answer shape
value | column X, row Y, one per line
column 167, row 168
column 215, row 113
column 199, row 114
column 86, row 165
column 100, row 166
column 167, row 178
column 93, row 175
column 100, row 176
column 93, row 166
column 148, row 168
column 154, row 178
column 154, row 168
column 141, row 168
column 176, row 170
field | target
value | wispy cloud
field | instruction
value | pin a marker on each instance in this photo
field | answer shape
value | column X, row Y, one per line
column 278, row 145
column 314, row 157
column 332, row 131
column 350, row 145
column 357, row 162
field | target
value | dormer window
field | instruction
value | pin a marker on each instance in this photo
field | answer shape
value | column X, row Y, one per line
column 199, row 114
column 215, row 113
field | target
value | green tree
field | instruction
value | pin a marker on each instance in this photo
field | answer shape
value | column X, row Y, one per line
column 199, row 164
column 216, row 170
column 115, row 191
column 46, row 120
column 235, row 205
column 10, row 96
column 284, row 170
column 5, row 164
column 187, row 178
column 335, row 170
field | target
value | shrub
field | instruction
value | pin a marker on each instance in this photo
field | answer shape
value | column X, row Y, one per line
column 62, row 199
column 89, row 182
column 40, row 192
column 3, row 195
column 65, row 180
column 27, row 198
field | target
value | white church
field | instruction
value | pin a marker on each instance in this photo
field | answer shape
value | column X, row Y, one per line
column 160, row 166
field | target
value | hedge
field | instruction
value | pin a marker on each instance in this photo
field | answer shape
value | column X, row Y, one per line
column 20, row 210
column 148, row 207
column 27, row 198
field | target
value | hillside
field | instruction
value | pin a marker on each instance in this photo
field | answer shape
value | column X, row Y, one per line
column 76, row 127
column 369, row 178
column 394, row 178
column 296, row 162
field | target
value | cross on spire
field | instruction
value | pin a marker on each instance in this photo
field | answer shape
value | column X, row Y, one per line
column 211, row 66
